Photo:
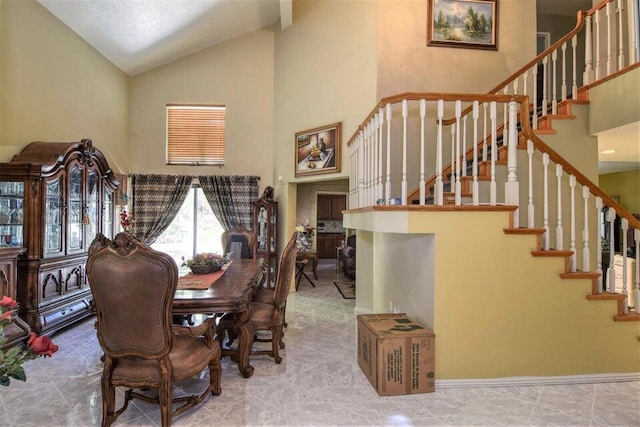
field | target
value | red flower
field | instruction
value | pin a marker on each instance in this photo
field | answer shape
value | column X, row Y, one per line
column 5, row 316
column 42, row 346
column 8, row 302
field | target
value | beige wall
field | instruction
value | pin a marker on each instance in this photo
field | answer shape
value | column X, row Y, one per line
column 55, row 87
column 626, row 185
column 406, row 63
column 489, row 322
column 325, row 72
column 238, row 74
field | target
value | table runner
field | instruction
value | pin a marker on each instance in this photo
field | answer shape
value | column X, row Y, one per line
column 200, row 281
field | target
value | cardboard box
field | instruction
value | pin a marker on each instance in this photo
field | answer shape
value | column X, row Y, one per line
column 396, row 354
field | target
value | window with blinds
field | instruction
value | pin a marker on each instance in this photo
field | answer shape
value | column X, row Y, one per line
column 195, row 134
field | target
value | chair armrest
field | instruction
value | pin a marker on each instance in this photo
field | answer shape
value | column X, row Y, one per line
column 204, row 329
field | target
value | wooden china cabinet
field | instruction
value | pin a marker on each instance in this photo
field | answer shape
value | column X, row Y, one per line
column 265, row 225
column 68, row 190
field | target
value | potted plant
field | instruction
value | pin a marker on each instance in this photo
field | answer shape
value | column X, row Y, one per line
column 205, row 263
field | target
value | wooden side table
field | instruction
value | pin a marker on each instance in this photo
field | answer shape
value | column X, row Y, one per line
column 309, row 256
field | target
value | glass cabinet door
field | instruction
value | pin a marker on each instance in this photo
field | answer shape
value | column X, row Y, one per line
column 107, row 213
column 53, row 217
column 11, row 213
column 93, row 201
column 262, row 229
column 74, row 210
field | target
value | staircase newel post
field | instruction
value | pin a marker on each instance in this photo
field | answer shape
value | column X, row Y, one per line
column 586, row 255
column 458, row 184
column 439, row 188
column 559, row 229
column 494, row 151
column 636, row 288
column 547, row 230
column 624, row 225
column 572, row 232
column 512, row 187
column 405, row 114
column 379, row 190
column 611, row 274
column 530, row 207
column 475, row 189
column 587, row 75
column 423, row 112
column 599, row 245
column 387, row 190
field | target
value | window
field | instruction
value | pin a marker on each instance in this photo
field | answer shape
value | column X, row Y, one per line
column 194, row 230
column 195, row 134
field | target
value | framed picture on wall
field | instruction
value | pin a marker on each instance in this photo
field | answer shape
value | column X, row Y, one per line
column 463, row 23
column 318, row 150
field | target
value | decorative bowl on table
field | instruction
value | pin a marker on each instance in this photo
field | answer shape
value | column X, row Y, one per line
column 205, row 263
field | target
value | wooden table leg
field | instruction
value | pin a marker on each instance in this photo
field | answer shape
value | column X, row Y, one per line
column 244, row 330
column 315, row 266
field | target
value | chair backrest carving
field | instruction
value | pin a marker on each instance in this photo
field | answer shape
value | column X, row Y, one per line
column 285, row 272
column 245, row 237
column 133, row 288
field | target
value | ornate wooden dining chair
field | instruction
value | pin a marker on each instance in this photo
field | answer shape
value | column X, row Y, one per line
column 269, row 316
column 240, row 237
column 133, row 288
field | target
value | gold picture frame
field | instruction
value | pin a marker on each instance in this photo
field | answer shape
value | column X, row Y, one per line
column 318, row 150
column 463, row 23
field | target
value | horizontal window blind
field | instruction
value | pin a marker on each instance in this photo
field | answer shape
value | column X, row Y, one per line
column 196, row 134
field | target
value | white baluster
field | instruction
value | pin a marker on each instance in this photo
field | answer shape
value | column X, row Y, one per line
column 620, row 37
column 505, row 122
column 547, row 229
column 534, row 70
column 608, row 10
column 587, row 76
column 624, row 225
column 485, row 133
column 458, row 184
column 405, row 114
column 367, row 163
column 464, row 145
column 387, row 190
column 559, row 229
column 452, row 169
column 572, row 232
column 530, row 207
column 360, row 171
column 599, row 244
column 512, row 187
column 374, row 163
column 439, row 187
column 564, row 72
column 586, row 255
column 554, row 93
column 611, row 274
column 574, row 81
column 545, row 83
column 475, row 190
column 632, row 28
column 636, row 288
column 494, row 151
column 423, row 112
column 379, row 191
column 596, row 15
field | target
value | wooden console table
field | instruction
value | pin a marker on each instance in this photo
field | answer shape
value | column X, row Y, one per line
column 309, row 256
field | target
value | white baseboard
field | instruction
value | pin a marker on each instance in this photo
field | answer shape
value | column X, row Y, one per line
column 530, row 381
column 360, row 310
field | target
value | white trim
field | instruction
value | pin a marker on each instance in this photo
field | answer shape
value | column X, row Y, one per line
column 531, row 381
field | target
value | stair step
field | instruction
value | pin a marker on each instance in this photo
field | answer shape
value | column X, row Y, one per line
column 538, row 231
column 630, row 316
column 580, row 275
column 552, row 253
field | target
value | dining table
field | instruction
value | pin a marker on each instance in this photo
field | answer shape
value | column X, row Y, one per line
column 231, row 292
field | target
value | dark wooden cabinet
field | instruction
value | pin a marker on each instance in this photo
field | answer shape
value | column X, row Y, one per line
column 17, row 330
column 69, row 191
column 327, row 244
column 330, row 206
column 265, row 226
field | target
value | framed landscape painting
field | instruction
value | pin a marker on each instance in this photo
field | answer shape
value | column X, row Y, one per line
column 462, row 23
column 318, row 150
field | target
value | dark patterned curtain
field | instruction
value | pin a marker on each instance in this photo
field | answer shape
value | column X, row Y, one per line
column 231, row 198
column 156, row 202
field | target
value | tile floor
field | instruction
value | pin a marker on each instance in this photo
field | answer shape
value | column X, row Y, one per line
column 317, row 384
